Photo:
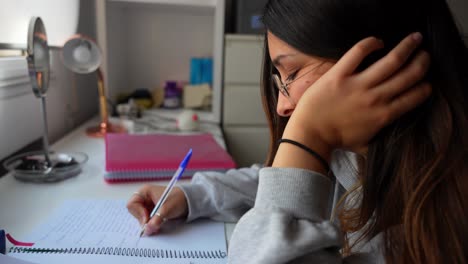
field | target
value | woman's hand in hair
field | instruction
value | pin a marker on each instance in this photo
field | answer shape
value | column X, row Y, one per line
column 345, row 108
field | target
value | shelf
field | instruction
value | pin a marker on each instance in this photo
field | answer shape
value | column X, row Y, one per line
column 199, row 3
column 148, row 42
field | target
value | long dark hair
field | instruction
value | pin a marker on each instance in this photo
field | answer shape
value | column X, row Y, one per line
column 415, row 175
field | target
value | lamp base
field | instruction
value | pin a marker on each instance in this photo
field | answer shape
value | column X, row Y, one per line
column 104, row 128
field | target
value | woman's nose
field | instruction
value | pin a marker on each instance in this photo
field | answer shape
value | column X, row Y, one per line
column 284, row 107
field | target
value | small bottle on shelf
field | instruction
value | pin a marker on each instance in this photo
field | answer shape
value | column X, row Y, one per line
column 172, row 95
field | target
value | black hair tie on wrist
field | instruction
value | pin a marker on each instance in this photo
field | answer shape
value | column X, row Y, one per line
column 304, row 147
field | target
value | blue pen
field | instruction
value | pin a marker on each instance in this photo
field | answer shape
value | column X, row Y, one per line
column 169, row 187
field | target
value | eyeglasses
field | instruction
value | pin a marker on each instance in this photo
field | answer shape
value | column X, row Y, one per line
column 284, row 87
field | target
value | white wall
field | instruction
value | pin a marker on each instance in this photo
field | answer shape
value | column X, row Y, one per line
column 71, row 98
column 60, row 18
column 150, row 43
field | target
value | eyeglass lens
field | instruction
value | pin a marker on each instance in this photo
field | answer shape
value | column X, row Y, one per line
column 279, row 84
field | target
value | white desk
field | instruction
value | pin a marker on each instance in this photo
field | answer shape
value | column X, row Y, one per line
column 25, row 205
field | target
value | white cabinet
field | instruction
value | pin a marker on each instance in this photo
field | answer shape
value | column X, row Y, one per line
column 247, row 144
column 147, row 42
column 244, row 123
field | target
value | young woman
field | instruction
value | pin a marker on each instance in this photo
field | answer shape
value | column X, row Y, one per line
column 403, row 117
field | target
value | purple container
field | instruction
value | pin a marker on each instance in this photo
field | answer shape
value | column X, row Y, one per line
column 172, row 95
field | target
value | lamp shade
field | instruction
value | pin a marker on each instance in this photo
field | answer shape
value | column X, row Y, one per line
column 59, row 16
column 81, row 54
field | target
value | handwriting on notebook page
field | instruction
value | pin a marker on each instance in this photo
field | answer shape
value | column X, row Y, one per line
column 107, row 223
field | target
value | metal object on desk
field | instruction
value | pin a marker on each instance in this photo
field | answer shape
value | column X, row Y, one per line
column 45, row 165
column 39, row 72
column 29, row 166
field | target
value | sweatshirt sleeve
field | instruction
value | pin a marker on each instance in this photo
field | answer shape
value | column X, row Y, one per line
column 221, row 196
column 289, row 222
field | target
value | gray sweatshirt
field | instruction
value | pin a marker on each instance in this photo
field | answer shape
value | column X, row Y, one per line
column 282, row 215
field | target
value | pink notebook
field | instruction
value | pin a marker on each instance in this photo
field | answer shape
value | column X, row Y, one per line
column 157, row 156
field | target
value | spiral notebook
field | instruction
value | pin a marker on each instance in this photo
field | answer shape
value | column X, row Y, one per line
column 102, row 231
column 157, row 156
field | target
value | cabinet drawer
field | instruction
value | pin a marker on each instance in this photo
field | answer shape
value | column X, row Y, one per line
column 243, row 59
column 247, row 145
column 243, row 105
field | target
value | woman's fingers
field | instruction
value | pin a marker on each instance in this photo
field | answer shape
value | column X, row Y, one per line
column 406, row 101
column 155, row 223
column 141, row 202
column 136, row 207
column 392, row 62
column 174, row 207
column 404, row 79
column 353, row 58
column 348, row 109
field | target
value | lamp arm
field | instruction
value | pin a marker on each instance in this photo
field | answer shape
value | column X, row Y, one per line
column 102, row 99
column 105, row 126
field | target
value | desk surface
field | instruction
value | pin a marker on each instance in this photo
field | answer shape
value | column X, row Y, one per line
column 25, row 205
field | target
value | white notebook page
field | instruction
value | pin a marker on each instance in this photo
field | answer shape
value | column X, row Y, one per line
column 99, row 224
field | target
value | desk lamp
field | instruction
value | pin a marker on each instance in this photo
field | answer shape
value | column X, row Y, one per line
column 46, row 165
column 80, row 54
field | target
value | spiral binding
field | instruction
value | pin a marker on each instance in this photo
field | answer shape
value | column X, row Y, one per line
column 132, row 252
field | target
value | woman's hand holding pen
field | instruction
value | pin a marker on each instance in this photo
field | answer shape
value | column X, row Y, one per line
column 345, row 109
column 142, row 202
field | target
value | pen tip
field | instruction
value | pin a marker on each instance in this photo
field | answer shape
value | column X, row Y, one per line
column 142, row 231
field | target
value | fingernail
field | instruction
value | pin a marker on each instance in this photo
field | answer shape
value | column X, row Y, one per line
column 417, row 36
